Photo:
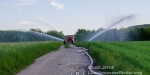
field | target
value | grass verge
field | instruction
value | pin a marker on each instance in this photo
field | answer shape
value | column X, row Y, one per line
column 16, row 56
column 67, row 46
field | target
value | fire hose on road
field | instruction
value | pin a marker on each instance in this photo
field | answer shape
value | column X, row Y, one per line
column 91, row 61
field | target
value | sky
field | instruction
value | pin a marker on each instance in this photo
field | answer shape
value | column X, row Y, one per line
column 70, row 15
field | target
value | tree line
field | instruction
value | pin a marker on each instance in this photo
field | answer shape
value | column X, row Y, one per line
column 133, row 33
column 50, row 32
column 139, row 34
column 34, row 34
column 136, row 33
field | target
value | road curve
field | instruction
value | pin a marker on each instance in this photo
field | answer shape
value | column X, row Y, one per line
column 70, row 61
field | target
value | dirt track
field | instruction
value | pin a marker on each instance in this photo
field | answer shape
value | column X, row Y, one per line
column 61, row 62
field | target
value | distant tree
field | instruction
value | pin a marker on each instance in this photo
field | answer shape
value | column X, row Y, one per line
column 109, row 35
column 148, row 33
column 143, row 33
column 82, row 34
column 139, row 34
column 55, row 33
column 36, row 29
column 133, row 33
column 1, row 30
column 22, row 36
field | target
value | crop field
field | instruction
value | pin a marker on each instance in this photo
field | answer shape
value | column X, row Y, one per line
column 131, row 57
column 17, row 56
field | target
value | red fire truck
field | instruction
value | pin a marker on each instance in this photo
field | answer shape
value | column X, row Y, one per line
column 69, row 40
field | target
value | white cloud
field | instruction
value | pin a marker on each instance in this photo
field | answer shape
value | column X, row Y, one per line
column 27, row 2
column 24, row 22
column 57, row 5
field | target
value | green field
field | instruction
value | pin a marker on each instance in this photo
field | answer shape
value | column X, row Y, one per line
column 122, row 56
column 17, row 56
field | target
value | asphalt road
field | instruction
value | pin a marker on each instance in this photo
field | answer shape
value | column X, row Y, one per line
column 70, row 61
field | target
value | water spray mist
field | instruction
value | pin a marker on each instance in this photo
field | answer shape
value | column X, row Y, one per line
column 119, row 21
column 51, row 27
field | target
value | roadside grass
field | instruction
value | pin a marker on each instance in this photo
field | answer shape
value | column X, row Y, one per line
column 123, row 56
column 67, row 46
column 16, row 56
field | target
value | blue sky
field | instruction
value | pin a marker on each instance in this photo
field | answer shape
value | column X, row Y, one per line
column 70, row 15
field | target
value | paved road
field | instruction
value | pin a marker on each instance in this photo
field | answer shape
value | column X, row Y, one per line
column 62, row 62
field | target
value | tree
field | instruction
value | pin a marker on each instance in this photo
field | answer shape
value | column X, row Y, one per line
column 56, row 34
column 82, row 34
column 36, row 29
column 148, row 33
column 21, row 36
column 109, row 35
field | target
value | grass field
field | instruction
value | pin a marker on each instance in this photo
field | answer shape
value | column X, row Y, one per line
column 17, row 56
column 122, row 56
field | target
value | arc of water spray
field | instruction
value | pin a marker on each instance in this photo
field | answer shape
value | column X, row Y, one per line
column 130, row 16
column 56, row 38
column 51, row 27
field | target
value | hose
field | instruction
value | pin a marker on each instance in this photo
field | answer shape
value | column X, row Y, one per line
column 91, row 61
